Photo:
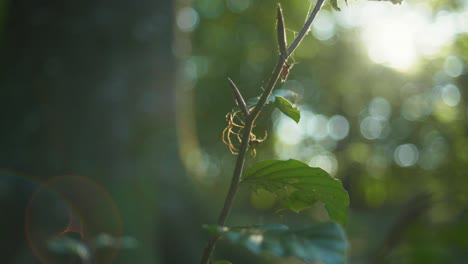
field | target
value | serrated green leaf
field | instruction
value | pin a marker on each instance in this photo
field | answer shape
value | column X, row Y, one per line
column 298, row 186
column 287, row 108
column 324, row 242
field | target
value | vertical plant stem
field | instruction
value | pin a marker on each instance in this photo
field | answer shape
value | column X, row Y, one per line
column 249, row 122
column 237, row 173
column 208, row 251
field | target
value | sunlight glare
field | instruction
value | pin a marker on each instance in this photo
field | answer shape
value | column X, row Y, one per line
column 390, row 40
column 398, row 36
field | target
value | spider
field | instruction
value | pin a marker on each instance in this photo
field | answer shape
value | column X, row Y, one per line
column 254, row 141
column 234, row 128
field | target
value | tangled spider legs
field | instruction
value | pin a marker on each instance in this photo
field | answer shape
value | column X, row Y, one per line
column 233, row 129
column 233, row 132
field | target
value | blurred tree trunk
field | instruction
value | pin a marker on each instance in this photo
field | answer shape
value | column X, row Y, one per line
column 86, row 89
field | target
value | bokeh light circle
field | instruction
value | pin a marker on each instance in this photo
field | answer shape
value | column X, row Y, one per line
column 380, row 108
column 406, row 155
column 453, row 66
column 187, row 19
column 338, row 127
column 373, row 128
column 451, row 95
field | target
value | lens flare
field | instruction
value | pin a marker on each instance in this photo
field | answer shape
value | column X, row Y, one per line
column 65, row 215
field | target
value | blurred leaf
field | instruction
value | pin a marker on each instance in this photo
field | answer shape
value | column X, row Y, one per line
column 324, row 242
column 67, row 245
column 107, row 241
column 287, row 108
column 215, row 229
column 222, row 262
column 334, row 4
column 298, row 186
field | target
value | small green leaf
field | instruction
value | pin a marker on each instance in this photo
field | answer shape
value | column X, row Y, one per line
column 287, row 108
column 298, row 186
column 324, row 242
column 271, row 99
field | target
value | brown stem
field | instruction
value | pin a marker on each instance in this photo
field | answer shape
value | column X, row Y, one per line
column 232, row 190
column 249, row 122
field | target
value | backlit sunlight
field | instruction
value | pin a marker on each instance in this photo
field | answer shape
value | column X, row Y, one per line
column 398, row 36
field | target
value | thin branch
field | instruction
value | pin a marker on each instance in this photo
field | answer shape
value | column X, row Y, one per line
column 281, row 60
column 249, row 122
column 208, row 251
column 305, row 29
column 239, row 99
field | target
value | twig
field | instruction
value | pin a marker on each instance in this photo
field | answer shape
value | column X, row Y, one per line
column 249, row 122
column 281, row 60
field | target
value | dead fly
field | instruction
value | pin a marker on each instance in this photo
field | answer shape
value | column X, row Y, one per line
column 233, row 131
column 285, row 71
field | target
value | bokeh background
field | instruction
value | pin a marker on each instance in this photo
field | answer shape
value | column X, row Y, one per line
column 112, row 113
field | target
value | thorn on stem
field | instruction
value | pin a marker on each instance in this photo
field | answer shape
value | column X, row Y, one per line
column 280, row 28
column 238, row 98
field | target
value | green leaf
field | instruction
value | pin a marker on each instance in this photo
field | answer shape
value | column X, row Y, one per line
column 68, row 245
column 324, row 242
column 287, row 108
column 104, row 240
column 298, row 186
column 222, row 262
column 271, row 99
